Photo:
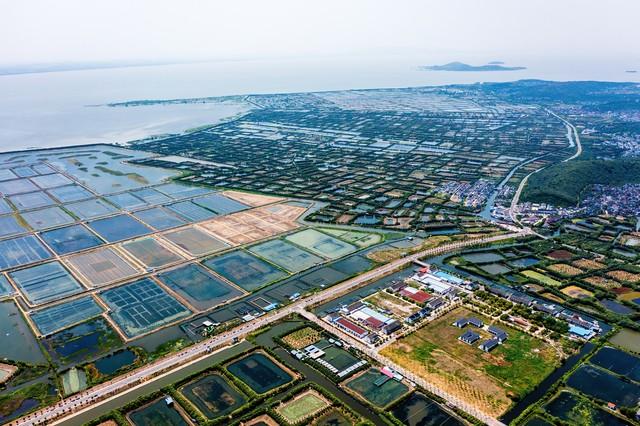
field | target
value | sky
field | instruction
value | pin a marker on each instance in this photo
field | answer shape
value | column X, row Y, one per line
column 45, row 31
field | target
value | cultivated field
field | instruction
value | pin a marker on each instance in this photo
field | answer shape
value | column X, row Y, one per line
column 577, row 292
column 302, row 338
column 544, row 279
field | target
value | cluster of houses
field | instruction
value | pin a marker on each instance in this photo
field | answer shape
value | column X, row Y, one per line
column 364, row 322
column 441, row 282
column 470, row 337
column 578, row 325
column 370, row 324
column 471, row 195
column 438, row 288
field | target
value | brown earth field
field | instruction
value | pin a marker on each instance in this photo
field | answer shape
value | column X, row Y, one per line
column 487, row 381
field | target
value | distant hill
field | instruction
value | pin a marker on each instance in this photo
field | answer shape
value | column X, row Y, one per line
column 563, row 184
column 459, row 66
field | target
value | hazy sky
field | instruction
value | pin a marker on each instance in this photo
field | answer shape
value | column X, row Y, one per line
column 84, row 30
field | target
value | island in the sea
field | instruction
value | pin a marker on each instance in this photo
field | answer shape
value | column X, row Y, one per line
column 460, row 66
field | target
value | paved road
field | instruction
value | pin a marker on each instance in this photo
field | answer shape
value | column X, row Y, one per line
column 56, row 413
column 574, row 140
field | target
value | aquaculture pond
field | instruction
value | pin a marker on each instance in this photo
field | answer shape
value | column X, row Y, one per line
column 333, row 418
column 259, row 372
column 142, row 306
column 482, row 257
column 599, row 384
column 9, row 226
column 220, row 204
column 191, row 211
column 194, row 241
column 321, row 244
column 494, row 268
column 627, row 339
column 537, row 421
column 419, row 410
column 619, row 362
column 126, row 201
column 25, row 406
column 571, row 408
column 158, row 413
column 31, row 200
column 159, row 218
column 102, row 266
column 70, row 193
column 45, row 282
column 5, row 288
column 117, row 228
column 286, row 255
column 200, row 288
column 70, row 239
column 21, row 251
column 90, row 209
column 616, row 307
column 82, row 341
column 177, row 190
column 245, row 270
column 54, row 318
column 150, row 252
column 523, row 262
column 377, row 388
column 352, row 265
column 112, row 363
column 214, row 396
column 17, row 341
column 47, row 218
column 151, row 196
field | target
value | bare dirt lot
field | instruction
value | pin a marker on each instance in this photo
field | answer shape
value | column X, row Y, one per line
column 256, row 224
column 253, row 200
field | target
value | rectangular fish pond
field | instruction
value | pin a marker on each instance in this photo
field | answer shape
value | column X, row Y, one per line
column 376, row 388
column 158, row 413
column 245, row 270
column 259, row 372
column 142, row 306
column 198, row 286
column 213, row 396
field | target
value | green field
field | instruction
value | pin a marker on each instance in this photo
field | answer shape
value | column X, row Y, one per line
column 488, row 381
column 544, row 279
column 361, row 239
column 302, row 407
column 321, row 244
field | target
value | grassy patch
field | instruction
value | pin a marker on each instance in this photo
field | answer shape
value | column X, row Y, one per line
column 544, row 279
column 302, row 407
column 302, row 338
column 488, row 381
